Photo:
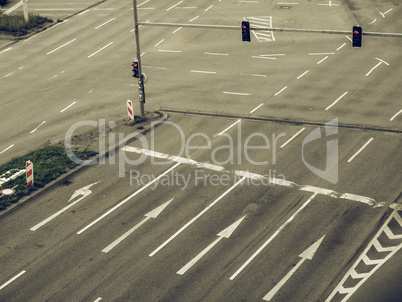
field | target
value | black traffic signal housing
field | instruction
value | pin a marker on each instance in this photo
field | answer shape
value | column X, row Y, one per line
column 135, row 69
column 357, row 36
column 245, row 31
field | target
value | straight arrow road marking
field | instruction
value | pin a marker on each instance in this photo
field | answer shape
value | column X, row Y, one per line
column 307, row 254
column 272, row 237
column 224, row 234
column 153, row 214
column 196, row 217
column 127, row 199
column 85, row 191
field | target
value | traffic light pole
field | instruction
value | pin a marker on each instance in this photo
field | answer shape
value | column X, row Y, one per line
column 141, row 89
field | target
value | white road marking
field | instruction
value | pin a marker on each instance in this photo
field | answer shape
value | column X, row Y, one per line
column 142, row 3
column 236, row 93
column 12, row 279
column 174, row 6
column 288, row 3
column 83, row 192
column 159, row 42
column 378, row 64
column 231, row 126
column 105, row 23
column 155, row 67
column 258, row 75
column 37, row 127
column 194, row 19
column 322, row 60
column 272, row 237
column 7, row 49
column 341, row 46
column 84, row 12
column 292, row 138
column 72, row 104
column 280, row 90
column 337, row 100
column 399, row 112
column 201, row 71
column 320, row 53
column 216, row 54
column 198, row 216
column 100, row 50
column 382, row 61
column 58, row 24
column 368, row 266
column 372, row 21
column 153, row 214
column 360, row 150
column 226, row 233
column 303, row 74
column 61, row 46
column 97, row 300
column 275, row 181
column 177, row 30
column 127, row 199
column 7, row 75
column 256, row 108
column 258, row 57
column 349, row 38
column 8, row 148
column 167, row 50
column 209, row 7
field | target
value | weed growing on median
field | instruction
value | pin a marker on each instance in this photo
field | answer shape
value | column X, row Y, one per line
column 49, row 163
column 15, row 23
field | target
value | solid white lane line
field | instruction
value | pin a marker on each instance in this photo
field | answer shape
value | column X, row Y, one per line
column 159, row 42
column 9, row 147
column 84, row 12
column 61, row 46
column 341, row 46
column 236, row 93
column 234, row 124
column 292, row 138
column 256, row 108
column 127, row 199
column 216, row 54
column 174, row 6
column 272, row 237
column 368, row 73
column 142, row 3
column 360, row 150
column 322, row 60
column 303, row 74
column 266, row 58
column 105, row 23
column 72, row 104
column 391, row 119
column 7, row 49
column 198, row 216
column 337, row 100
column 12, row 279
column 100, row 50
column 280, row 90
column 37, row 127
column 194, row 19
column 201, row 71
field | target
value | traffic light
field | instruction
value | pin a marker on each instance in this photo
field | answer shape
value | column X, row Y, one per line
column 245, row 31
column 357, row 36
column 135, row 69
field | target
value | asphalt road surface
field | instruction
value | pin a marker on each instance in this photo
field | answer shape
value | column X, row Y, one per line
column 208, row 208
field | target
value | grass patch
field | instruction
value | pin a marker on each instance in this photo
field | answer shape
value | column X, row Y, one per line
column 49, row 163
column 15, row 25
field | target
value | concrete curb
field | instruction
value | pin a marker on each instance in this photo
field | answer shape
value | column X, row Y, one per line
column 80, row 168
